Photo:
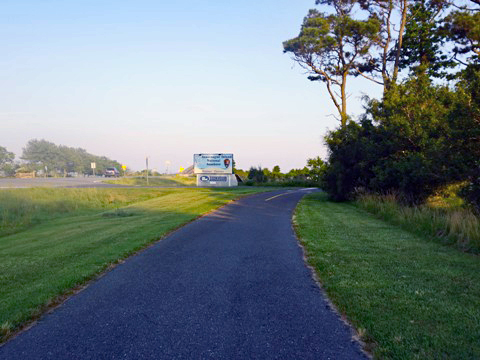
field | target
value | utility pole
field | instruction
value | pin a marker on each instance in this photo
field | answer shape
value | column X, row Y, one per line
column 146, row 161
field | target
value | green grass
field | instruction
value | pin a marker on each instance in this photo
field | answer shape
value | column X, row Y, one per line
column 447, row 222
column 408, row 297
column 22, row 208
column 164, row 180
column 78, row 233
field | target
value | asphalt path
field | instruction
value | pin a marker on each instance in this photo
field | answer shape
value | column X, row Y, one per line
column 231, row 285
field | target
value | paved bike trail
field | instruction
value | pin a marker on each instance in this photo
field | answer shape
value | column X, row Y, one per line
column 231, row 285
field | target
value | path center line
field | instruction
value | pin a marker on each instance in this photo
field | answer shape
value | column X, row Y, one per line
column 285, row 193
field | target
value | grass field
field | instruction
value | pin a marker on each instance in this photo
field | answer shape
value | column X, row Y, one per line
column 408, row 297
column 53, row 240
column 164, row 180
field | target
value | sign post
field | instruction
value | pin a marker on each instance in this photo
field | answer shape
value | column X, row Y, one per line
column 124, row 168
column 146, row 161
column 93, row 166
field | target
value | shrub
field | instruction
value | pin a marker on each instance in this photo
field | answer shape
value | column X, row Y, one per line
column 417, row 139
column 471, row 194
column 257, row 175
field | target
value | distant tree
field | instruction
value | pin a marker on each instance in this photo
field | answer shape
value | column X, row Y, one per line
column 39, row 154
column 298, row 174
column 267, row 173
column 257, row 175
column 7, row 161
column 333, row 46
column 276, row 173
column 6, row 157
column 316, row 169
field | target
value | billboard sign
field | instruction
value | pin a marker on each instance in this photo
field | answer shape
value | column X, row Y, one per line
column 213, row 163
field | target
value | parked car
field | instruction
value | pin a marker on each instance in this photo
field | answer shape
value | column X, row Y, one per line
column 112, row 172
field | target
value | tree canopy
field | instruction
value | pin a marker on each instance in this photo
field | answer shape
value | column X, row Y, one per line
column 6, row 161
column 6, row 157
column 424, row 133
column 332, row 46
column 39, row 154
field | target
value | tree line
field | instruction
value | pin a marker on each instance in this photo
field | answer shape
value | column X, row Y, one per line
column 309, row 175
column 424, row 133
column 46, row 157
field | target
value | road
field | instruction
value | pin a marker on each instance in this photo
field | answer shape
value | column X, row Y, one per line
column 78, row 182
column 231, row 285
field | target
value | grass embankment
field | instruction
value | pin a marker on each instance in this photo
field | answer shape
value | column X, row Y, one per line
column 22, row 208
column 64, row 237
column 408, row 297
column 166, row 180
column 447, row 222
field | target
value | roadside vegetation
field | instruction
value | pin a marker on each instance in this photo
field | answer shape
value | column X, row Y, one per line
column 308, row 176
column 423, row 133
column 438, row 219
column 24, row 208
column 408, row 297
column 48, row 159
column 55, row 240
column 162, row 180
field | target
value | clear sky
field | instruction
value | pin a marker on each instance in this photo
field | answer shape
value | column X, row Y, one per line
column 167, row 79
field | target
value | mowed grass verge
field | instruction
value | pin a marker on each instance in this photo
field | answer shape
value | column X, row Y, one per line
column 409, row 298
column 71, row 242
column 23, row 208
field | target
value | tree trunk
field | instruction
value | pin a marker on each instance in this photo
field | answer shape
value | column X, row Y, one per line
column 343, row 113
column 400, row 40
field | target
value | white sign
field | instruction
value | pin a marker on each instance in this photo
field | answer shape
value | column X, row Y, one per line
column 213, row 163
column 216, row 180
column 93, row 165
column 213, row 179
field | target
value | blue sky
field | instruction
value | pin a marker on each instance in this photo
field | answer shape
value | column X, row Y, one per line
column 127, row 79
